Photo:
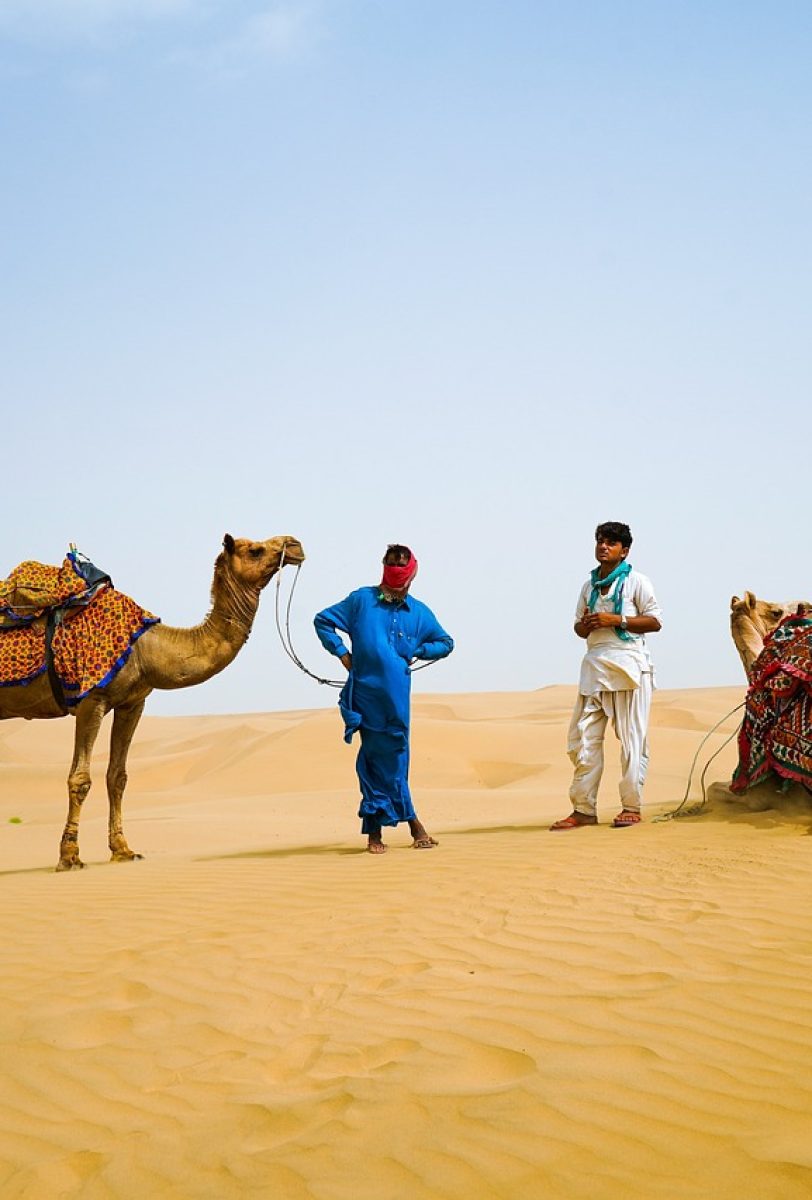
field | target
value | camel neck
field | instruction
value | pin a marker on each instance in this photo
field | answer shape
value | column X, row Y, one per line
column 176, row 658
column 233, row 609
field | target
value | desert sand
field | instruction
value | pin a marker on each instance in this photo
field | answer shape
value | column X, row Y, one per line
column 258, row 1008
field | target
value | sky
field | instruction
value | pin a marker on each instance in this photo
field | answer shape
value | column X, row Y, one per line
column 464, row 274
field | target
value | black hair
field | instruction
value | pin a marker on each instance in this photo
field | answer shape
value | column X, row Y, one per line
column 615, row 530
column 397, row 549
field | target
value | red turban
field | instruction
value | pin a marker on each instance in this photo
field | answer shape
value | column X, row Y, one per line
column 400, row 577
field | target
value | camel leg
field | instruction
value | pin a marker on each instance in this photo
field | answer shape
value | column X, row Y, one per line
column 125, row 721
column 89, row 716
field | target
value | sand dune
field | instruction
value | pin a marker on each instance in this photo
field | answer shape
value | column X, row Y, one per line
column 258, row 1009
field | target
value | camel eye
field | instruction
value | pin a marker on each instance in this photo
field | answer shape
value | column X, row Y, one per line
column 777, row 613
column 257, row 551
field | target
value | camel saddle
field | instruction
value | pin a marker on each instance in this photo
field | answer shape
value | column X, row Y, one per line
column 69, row 621
column 33, row 589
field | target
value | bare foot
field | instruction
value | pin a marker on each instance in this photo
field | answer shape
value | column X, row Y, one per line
column 376, row 846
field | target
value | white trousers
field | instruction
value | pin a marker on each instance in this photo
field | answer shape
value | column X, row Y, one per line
column 629, row 712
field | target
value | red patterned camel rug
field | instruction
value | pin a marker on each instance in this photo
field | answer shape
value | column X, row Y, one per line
column 776, row 733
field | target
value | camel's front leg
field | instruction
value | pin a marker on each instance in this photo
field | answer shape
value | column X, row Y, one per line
column 89, row 717
column 125, row 721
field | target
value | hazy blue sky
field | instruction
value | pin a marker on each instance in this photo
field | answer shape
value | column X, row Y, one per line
column 468, row 275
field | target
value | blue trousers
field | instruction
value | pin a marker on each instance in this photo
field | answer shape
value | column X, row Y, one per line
column 383, row 773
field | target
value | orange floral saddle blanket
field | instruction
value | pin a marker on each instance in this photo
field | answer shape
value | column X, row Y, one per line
column 74, row 617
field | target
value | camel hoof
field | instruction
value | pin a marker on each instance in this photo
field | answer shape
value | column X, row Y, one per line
column 70, row 864
column 125, row 856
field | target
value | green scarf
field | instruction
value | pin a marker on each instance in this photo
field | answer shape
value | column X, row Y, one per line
column 620, row 572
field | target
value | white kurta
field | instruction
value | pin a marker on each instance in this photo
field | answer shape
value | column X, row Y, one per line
column 610, row 663
column 617, row 680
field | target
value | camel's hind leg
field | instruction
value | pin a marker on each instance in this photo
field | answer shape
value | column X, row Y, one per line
column 89, row 716
column 125, row 721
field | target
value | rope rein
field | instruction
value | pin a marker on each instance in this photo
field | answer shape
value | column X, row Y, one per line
column 285, row 635
column 697, row 808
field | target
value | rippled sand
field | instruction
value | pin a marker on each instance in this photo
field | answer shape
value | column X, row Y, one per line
column 259, row 1009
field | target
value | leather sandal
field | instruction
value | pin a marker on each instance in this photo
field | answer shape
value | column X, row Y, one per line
column 625, row 818
column 574, row 821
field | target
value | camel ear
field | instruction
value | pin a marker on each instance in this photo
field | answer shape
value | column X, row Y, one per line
column 750, row 600
column 734, row 600
column 228, row 544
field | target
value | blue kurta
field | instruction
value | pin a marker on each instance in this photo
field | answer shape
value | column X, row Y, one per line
column 386, row 637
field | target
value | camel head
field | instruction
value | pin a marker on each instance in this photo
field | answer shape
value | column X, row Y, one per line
column 254, row 564
column 751, row 620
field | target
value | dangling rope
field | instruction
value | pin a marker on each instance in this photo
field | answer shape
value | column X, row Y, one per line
column 285, row 637
column 697, row 808
column 287, row 641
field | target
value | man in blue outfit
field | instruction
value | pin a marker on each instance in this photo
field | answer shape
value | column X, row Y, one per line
column 389, row 630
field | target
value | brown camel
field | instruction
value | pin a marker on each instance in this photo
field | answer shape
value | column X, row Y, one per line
column 162, row 657
column 751, row 620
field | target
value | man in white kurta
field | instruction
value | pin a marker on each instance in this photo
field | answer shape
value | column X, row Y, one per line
column 617, row 679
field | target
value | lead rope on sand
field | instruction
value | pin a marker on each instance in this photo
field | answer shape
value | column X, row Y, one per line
column 697, row 808
column 287, row 641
